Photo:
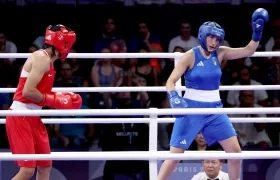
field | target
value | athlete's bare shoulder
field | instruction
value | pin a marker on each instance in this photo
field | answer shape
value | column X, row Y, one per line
column 38, row 59
column 188, row 58
column 40, row 55
column 190, row 53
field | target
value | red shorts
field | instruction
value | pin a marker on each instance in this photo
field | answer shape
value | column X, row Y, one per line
column 28, row 135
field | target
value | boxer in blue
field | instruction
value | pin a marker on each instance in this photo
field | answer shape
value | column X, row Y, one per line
column 201, row 68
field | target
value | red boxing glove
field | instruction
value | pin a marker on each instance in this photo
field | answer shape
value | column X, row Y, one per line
column 76, row 100
column 57, row 101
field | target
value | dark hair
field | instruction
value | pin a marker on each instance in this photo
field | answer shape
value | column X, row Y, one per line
column 185, row 22
column 221, row 160
column 179, row 47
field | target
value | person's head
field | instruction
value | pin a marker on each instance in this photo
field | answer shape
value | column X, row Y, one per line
column 143, row 29
column 73, row 60
column 244, row 75
column 110, row 25
column 212, row 167
column 210, row 36
column 143, row 61
column 200, row 140
column 247, row 98
column 60, row 40
column 185, row 29
column 118, row 46
column 66, row 71
column 105, row 60
column 179, row 49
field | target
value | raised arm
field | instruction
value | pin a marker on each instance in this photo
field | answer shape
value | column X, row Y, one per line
column 237, row 53
column 259, row 17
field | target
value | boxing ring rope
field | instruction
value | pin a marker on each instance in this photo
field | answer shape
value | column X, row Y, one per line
column 141, row 155
column 142, row 120
column 149, row 88
column 146, row 112
column 152, row 155
column 127, row 55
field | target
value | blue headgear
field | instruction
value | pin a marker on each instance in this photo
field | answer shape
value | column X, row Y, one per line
column 210, row 28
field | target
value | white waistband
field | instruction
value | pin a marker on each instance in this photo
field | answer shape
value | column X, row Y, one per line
column 16, row 105
column 201, row 95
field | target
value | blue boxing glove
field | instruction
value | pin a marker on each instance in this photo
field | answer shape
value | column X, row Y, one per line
column 259, row 17
column 176, row 101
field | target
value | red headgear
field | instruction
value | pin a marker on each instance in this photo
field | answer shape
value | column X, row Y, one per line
column 60, row 37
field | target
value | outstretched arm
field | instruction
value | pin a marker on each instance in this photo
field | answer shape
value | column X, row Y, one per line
column 237, row 53
column 259, row 17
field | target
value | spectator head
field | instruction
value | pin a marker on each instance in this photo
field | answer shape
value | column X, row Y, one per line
column 66, row 71
column 244, row 76
column 143, row 29
column 246, row 98
column 185, row 29
column 110, row 25
column 179, row 49
column 118, row 46
column 72, row 60
column 200, row 140
column 143, row 61
column 105, row 60
column 212, row 167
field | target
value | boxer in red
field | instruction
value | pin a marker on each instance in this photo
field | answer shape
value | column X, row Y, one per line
column 27, row 134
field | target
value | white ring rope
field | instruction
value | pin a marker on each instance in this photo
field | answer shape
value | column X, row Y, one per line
column 147, row 89
column 127, row 55
column 141, row 120
column 146, row 112
column 142, row 155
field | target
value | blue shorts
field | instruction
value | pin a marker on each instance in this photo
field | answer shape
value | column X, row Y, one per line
column 214, row 127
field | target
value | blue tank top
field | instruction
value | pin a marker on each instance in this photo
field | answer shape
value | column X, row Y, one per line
column 105, row 80
column 206, row 72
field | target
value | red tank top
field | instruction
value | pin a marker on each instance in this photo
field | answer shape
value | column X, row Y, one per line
column 44, row 86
